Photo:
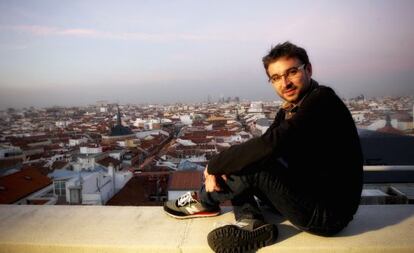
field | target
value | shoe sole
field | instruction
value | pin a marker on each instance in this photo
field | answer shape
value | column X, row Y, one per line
column 190, row 216
column 203, row 215
column 231, row 238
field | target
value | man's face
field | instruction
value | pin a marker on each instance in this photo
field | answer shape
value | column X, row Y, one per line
column 291, row 89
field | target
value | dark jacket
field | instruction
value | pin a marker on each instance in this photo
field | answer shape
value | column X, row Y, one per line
column 319, row 143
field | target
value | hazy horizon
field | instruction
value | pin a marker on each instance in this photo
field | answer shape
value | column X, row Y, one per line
column 78, row 52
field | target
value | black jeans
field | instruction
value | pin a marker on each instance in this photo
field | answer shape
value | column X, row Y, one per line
column 273, row 186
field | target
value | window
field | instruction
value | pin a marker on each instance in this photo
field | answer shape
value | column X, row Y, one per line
column 60, row 187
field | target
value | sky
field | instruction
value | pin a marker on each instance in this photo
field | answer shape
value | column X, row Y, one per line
column 70, row 53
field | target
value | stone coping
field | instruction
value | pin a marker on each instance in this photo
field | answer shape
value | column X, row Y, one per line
column 26, row 229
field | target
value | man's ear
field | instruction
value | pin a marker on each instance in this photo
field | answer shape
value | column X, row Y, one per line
column 309, row 69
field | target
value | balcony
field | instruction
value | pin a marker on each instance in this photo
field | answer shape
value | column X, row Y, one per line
column 87, row 229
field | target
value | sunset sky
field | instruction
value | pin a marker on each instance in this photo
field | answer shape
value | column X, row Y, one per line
column 78, row 52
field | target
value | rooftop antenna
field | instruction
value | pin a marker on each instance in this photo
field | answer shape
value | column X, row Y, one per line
column 388, row 120
column 119, row 123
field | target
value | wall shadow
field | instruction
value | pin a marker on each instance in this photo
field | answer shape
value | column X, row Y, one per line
column 367, row 219
column 375, row 217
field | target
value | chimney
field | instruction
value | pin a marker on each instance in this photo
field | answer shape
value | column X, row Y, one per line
column 111, row 173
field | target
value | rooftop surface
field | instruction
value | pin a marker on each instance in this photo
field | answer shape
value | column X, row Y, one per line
column 21, row 184
column 387, row 228
column 183, row 180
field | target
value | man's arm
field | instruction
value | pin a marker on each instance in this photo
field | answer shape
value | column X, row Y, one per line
column 238, row 156
column 276, row 138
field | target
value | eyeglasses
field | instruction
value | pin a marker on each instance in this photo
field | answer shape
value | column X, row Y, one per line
column 289, row 75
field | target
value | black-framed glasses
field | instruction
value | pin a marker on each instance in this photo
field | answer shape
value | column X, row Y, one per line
column 289, row 74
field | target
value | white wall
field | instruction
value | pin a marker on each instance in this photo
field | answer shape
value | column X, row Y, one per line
column 94, row 183
column 38, row 194
column 98, row 188
column 358, row 117
column 10, row 151
column 263, row 129
column 84, row 163
column 404, row 125
column 90, row 150
column 121, row 178
column 116, row 155
column 76, row 142
column 144, row 134
column 381, row 123
column 186, row 119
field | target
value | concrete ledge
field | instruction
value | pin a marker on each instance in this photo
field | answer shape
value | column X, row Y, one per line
column 388, row 228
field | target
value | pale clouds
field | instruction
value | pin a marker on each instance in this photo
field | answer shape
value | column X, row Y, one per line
column 99, row 34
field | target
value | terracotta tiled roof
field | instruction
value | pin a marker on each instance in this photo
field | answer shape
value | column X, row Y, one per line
column 147, row 161
column 185, row 180
column 132, row 194
column 137, row 191
column 107, row 160
column 59, row 165
column 198, row 140
column 21, row 184
column 199, row 123
column 206, row 146
column 38, row 201
column 195, row 134
column 39, row 167
column 216, row 118
column 52, row 146
column 34, row 157
column 390, row 130
column 222, row 133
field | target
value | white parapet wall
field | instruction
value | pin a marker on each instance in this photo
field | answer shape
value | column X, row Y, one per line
column 47, row 229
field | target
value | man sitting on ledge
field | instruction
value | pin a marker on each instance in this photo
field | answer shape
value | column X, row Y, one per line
column 307, row 165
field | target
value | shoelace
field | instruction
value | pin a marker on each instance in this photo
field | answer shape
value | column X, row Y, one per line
column 185, row 199
column 239, row 224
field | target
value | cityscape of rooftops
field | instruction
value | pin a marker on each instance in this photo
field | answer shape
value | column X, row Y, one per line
column 105, row 103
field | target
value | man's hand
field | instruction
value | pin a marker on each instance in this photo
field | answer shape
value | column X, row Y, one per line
column 211, row 181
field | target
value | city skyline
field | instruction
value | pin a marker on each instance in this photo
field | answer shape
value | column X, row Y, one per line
column 76, row 53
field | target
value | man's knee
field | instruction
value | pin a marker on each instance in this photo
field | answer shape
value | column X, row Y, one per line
column 324, row 231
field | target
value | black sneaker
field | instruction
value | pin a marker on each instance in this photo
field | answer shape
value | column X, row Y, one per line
column 187, row 206
column 242, row 236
